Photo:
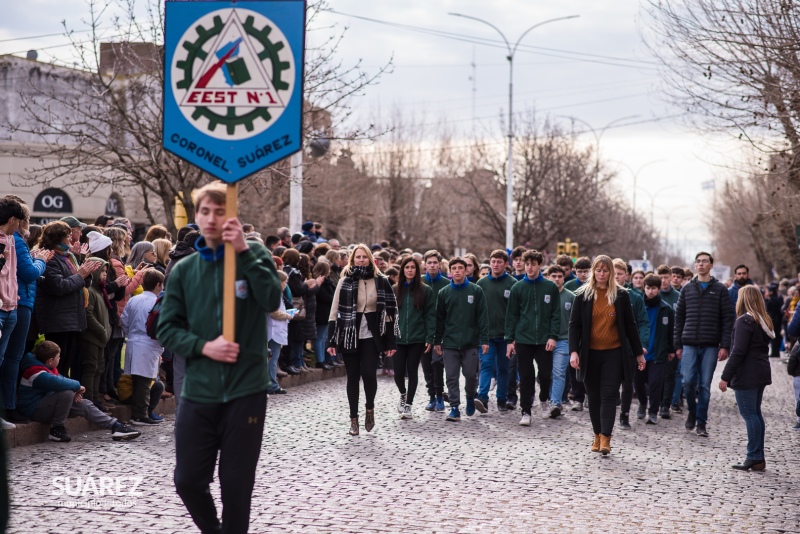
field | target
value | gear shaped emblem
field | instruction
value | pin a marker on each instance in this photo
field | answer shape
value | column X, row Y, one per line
column 233, row 73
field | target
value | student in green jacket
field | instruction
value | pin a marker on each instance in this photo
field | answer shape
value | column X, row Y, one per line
column 643, row 327
column 461, row 325
column 561, row 353
column 660, row 351
column 583, row 267
column 433, row 368
column 225, row 389
column 417, row 322
column 533, row 323
column 497, row 289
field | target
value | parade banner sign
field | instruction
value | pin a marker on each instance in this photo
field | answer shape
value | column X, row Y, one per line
column 233, row 83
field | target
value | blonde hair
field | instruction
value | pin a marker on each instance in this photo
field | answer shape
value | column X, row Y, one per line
column 162, row 247
column 589, row 289
column 751, row 301
column 351, row 260
column 119, row 242
column 216, row 192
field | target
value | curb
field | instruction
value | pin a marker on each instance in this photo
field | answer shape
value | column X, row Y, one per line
column 32, row 433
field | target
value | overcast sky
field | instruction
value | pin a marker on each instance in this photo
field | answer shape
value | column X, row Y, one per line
column 595, row 69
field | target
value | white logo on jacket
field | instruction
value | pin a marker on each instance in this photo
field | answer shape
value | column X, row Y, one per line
column 507, row 293
column 567, row 305
column 547, row 299
column 665, row 320
column 470, row 299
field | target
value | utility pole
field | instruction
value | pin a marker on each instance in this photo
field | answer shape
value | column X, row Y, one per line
column 510, row 164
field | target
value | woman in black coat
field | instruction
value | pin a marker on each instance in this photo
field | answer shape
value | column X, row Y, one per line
column 602, row 338
column 60, row 299
column 748, row 370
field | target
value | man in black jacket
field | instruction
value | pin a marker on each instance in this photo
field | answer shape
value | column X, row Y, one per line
column 703, row 323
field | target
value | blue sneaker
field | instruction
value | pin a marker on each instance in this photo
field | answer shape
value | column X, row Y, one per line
column 155, row 417
column 454, row 414
column 439, row 404
column 431, row 406
column 470, row 407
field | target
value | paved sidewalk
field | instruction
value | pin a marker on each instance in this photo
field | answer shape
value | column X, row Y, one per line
column 485, row 474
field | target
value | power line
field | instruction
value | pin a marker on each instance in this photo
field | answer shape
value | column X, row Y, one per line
column 498, row 44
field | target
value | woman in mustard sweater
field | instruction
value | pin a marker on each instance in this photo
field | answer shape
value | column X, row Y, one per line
column 602, row 334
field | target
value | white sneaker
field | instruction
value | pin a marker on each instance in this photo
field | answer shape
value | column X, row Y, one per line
column 401, row 404
column 407, row 412
column 5, row 425
column 526, row 420
column 577, row 406
column 492, row 384
column 545, row 409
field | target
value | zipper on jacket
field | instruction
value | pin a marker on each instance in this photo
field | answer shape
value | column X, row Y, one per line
column 219, row 318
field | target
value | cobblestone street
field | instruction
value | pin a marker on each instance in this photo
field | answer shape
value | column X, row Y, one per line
column 484, row 474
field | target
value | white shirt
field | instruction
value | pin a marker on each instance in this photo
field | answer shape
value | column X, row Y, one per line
column 141, row 351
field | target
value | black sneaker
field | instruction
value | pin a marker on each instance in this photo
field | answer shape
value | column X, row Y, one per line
column 143, row 421
column 641, row 412
column 123, row 432
column 511, row 405
column 624, row 424
column 665, row 413
column 502, row 408
column 701, row 431
column 690, row 422
column 59, row 433
column 677, row 408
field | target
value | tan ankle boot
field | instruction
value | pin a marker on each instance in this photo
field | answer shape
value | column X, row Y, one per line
column 354, row 426
column 605, row 444
column 369, row 420
column 596, row 443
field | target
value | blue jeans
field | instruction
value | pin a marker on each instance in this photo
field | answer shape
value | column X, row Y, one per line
column 494, row 364
column 321, row 342
column 749, row 402
column 275, row 349
column 697, row 367
column 14, row 351
column 560, row 364
column 297, row 348
column 676, row 391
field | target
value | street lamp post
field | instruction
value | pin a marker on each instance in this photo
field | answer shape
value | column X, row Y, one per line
column 510, row 163
column 636, row 178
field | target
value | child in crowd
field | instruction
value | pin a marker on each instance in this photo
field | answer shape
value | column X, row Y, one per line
column 125, row 394
column 95, row 337
column 142, row 353
column 48, row 397
column 278, row 332
column 650, row 381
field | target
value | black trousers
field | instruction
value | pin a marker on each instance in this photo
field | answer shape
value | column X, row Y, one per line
column 650, row 385
column 627, row 391
column 602, row 381
column 141, row 396
column 362, row 365
column 434, row 375
column 775, row 344
column 576, row 387
column 406, row 363
column 513, row 370
column 234, row 429
column 526, row 355
column 69, row 343
column 670, row 371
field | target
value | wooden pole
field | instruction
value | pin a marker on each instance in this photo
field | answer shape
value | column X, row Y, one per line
column 229, row 276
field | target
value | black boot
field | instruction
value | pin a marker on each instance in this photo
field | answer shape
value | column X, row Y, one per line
column 624, row 424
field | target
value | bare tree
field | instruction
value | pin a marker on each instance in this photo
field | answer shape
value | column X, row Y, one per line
column 733, row 65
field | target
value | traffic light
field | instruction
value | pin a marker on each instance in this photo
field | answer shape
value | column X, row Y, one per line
column 561, row 248
column 573, row 251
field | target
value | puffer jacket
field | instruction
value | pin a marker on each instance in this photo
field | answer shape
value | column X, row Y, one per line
column 704, row 318
column 29, row 270
column 60, row 302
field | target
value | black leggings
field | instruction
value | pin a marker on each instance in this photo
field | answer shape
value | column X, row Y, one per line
column 406, row 362
column 602, row 381
column 627, row 391
column 362, row 365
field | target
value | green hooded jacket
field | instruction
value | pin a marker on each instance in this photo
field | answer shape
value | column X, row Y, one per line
column 191, row 315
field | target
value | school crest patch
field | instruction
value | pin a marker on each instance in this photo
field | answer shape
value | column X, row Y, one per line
column 665, row 320
column 567, row 305
column 507, row 293
column 241, row 289
column 470, row 298
column 547, row 299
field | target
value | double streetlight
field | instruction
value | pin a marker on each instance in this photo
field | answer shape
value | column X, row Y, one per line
column 510, row 164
